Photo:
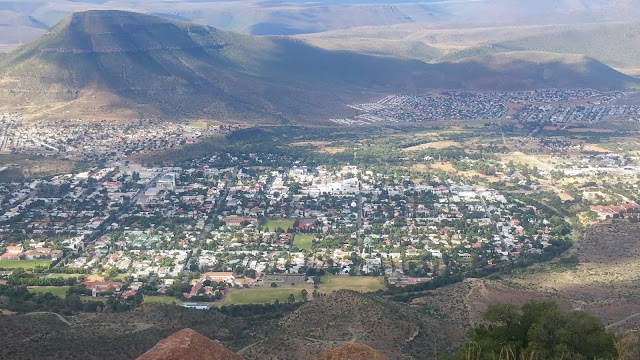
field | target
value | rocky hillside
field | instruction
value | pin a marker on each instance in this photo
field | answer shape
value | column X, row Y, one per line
column 394, row 330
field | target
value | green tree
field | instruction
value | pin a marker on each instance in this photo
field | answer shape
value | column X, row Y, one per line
column 539, row 330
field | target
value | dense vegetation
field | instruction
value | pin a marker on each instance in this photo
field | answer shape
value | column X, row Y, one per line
column 537, row 331
column 19, row 299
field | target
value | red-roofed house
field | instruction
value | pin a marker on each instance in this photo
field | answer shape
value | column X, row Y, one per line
column 218, row 276
column 99, row 287
column 129, row 293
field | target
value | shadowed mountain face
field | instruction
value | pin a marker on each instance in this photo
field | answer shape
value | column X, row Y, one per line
column 168, row 68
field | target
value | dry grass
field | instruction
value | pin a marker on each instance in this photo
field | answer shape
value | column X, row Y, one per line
column 321, row 146
column 95, row 278
column 565, row 197
column 596, row 148
column 420, row 167
column 524, row 159
column 444, row 166
column 434, row 145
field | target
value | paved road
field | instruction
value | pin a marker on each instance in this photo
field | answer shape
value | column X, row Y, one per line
column 359, row 217
column 484, row 206
column 221, row 199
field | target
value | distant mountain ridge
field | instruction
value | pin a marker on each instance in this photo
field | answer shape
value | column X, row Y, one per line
column 100, row 62
column 298, row 17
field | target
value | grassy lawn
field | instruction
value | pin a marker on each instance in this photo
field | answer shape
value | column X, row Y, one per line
column 148, row 299
column 303, row 241
column 329, row 284
column 24, row 264
column 120, row 277
column 60, row 291
column 279, row 223
column 264, row 295
column 358, row 283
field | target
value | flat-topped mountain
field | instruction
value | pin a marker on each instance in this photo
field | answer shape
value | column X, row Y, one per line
column 97, row 63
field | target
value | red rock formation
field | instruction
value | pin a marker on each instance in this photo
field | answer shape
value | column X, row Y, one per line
column 187, row 344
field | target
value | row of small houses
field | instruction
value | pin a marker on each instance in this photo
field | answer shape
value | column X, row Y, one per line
column 610, row 211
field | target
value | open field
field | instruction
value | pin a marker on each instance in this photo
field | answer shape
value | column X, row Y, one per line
column 443, row 166
column 35, row 166
column 420, row 167
column 203, row 123
column 596, row 148
column 357, row 283
column 434, row 145
column 303, row 241
column 524, row 159
column 329, row 284
column 279, row 223
column 60, row 291
column 149, row 299
column 320, row 146
column 265, row 295
column 23, row 264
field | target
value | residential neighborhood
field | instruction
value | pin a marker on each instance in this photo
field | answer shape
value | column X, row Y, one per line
column 196, row 233
column 554, row 106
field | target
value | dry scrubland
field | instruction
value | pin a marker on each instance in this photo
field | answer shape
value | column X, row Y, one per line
column 345, row 317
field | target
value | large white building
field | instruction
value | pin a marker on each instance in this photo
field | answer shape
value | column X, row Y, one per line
column 167, row 182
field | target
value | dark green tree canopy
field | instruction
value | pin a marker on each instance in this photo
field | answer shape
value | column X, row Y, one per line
column 538, row 331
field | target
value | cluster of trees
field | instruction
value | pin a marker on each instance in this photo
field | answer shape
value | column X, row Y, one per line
column 20, row 277
column 261, row 311
column 21, row 300
column 536, row 331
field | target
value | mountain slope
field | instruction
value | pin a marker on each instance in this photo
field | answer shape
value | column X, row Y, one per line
column 92, row 336
column 351, row 352
column 616, row 44
column 392, row 330
column 98, row 62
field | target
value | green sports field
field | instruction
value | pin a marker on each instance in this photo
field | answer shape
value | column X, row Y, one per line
column 303, row 241
column 60, row 291
column 273, row 224
column 264, row 295
column 329, row 284
column 23, row 264
column 148, row 299
column 357, row 283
